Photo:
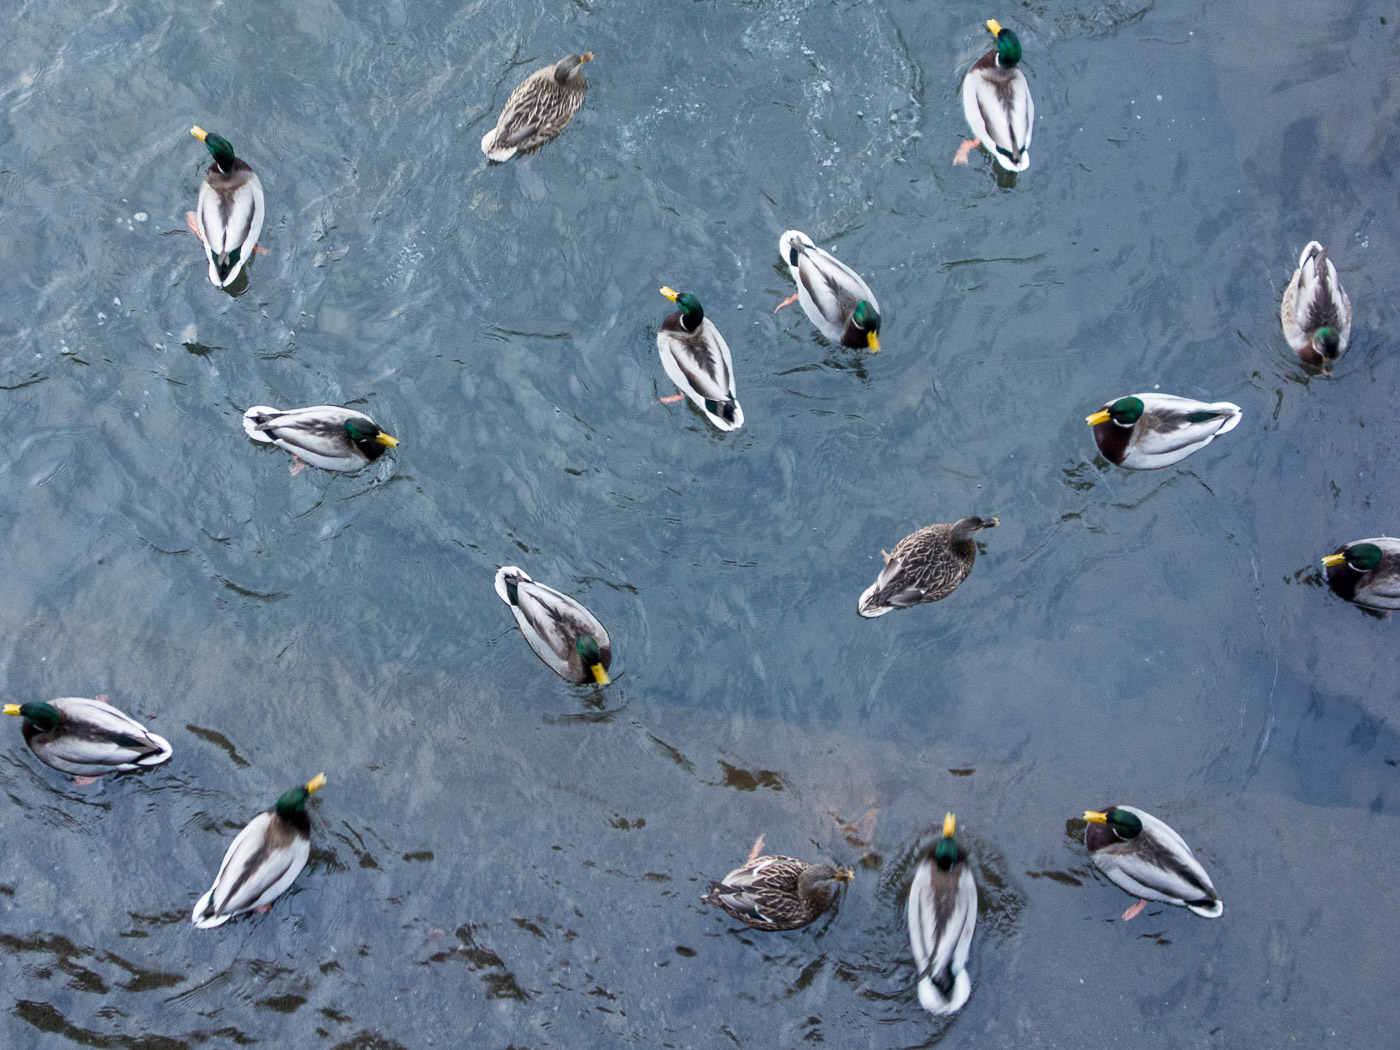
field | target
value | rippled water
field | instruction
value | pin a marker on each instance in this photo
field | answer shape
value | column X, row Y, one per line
column 501, row 859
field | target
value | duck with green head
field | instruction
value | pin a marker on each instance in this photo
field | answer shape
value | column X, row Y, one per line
column 228, row 216
column 835, row 298
column 997, row 104
column 696, row 357
column 88, row 738
column 1315, row 311
column 1366, row 572
column 773, row 893
column 263, row 861
column 942, row 918
column 326, row 436
column 538, row 109
column 563, row 633
column 1145, row 431
column 1143, row 856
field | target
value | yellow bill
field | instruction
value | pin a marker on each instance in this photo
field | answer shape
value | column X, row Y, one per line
column 993, row 26
column 386, row 440
column 671, row 293
column 600, row 674
column 1101, row 416
column 587, row 56
column 844, row 875
column 199, row 133
column 1095, row 818
column 12, row 709
column 316, row 783
column 872, row 340
column 1329, row 561
column 950, row 825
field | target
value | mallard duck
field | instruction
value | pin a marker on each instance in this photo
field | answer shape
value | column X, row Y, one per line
column 834, row 296
column 1148, row 859
column 538, row 109
column 229, row 213
column 1366, row 572
column 1144, row 431
column 997, row 103
column 88, row 738
column 925, row 567
column 696, row 357
column 263, row 861
column 325, row 436
column 1316, row 312
column 562, row 632
column 777, row 893
column 942, row 917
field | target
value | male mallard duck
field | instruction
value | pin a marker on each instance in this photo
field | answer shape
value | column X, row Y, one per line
column 562, row 632
column 325, row 436
column 88, row 738
column 696, row 357
column 925, row 567
column 1316, row 312
column 942, row 915
column 997, row 103
column 1143, row 431
column 538, row 109
column 263, row 861
column 777, row 893
column 1148, row 859
column 1366, row 572
column 834, row 296
column 229, row 213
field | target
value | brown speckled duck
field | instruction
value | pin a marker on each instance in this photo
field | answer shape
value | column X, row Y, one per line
column 777, row 893
column 925, row 567
column 538, row 109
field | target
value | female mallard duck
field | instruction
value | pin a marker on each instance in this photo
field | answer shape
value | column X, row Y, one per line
column 925, row 567
column 942, row 917
column 1316, row 312
column 263, row 861
column 562, row 632
column 1148, row 859
column 325, row 436
column 1143, row 431
column 834, row 296
column 696, row 357
column 997, row 103
column 1366, row 572
column 229, row 213
column 777, row 893
column 538, row 109
column 88, row 738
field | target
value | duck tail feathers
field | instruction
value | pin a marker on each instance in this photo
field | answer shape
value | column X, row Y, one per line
column 254, row 418
column 935, row 1002
column 508, row 576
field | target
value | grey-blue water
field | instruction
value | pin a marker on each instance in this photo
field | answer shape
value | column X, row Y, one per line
column 501, row 859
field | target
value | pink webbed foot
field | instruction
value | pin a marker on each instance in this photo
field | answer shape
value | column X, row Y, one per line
column 964, row 150
column 263, row 910
column 1134, row 911
column 298, row 465
column 786, row 302
column 193, row 224
column 757, row 849
column 885, row 554
column 258, row 249
column 670, row 400
column 83, row 782
column 102, row 698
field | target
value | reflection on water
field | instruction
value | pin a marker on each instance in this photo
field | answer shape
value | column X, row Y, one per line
column 511, row 857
